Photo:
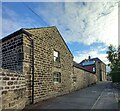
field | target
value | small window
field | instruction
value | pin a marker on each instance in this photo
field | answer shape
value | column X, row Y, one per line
column 74, row 79
column 93, row 69
column 57, row 77
column 56, row 56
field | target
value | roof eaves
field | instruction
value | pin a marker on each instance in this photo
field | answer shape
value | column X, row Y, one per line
column 16, row 33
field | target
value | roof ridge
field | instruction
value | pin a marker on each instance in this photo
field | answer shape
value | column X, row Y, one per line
column 38, row 28
column 92, row 59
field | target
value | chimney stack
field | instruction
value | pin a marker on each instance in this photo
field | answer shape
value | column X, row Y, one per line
column 89, row 57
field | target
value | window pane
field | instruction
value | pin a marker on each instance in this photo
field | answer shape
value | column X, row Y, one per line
column 93, row 69
column 54, row 58
column 55, row 53
column 55, row 80
column 74, row 79
column 59, row 80
column 57, row 77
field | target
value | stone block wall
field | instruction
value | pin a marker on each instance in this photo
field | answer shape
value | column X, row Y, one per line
column 83, row 79
column 103, row 71
column 12, row 53
column 46, row 40
column 98, row 67
column 13, row 89
column 100, row 71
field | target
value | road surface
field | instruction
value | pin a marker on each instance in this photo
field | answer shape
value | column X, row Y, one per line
column 100, row 96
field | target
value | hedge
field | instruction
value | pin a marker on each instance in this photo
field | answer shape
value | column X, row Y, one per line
column 115, row 76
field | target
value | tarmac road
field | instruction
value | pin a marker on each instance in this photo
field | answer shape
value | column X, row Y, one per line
column 99, row 96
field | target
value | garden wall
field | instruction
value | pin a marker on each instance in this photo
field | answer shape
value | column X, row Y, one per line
column 83, row 78
column 13, row 90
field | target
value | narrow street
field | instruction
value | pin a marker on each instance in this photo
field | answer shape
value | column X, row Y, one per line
column 100, row 96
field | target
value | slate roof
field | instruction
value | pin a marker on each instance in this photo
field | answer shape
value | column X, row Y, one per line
column 77, row 65
column 92, row 59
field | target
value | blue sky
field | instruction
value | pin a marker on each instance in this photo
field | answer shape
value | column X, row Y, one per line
column 87, row 27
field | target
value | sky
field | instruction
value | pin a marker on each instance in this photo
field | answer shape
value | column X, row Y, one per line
column 88, row 28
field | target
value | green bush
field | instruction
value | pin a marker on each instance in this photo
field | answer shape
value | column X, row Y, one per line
column 116, row 76
column 118, row 101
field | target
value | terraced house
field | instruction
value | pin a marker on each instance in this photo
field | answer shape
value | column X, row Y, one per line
column 37, row 65
column 96, row 66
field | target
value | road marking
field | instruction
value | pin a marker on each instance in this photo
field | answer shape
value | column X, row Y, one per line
column 97, row 100
column 94, row 91
column 107, row 89
column 110, row 93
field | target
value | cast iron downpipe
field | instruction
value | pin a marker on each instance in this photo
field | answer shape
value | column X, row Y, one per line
column 32, row 42
column 32, row 57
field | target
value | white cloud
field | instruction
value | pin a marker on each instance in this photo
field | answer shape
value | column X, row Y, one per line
column 84, row 22
column 93, row 53
column 77, row 22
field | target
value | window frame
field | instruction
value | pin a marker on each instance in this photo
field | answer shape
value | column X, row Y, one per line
column 56, row 58
column 74, row 78
column 57, row 77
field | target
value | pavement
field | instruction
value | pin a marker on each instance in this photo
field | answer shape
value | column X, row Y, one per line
column 100, row 96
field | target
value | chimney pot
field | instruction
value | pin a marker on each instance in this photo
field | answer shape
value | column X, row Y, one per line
column 89, row 57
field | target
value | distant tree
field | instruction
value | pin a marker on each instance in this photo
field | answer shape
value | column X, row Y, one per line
column 108, row 74
column 114, row 58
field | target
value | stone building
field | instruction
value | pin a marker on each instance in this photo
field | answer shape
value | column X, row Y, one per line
column 96, row 66
column 40, row 54
column 82, row 77
column 37, row 65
